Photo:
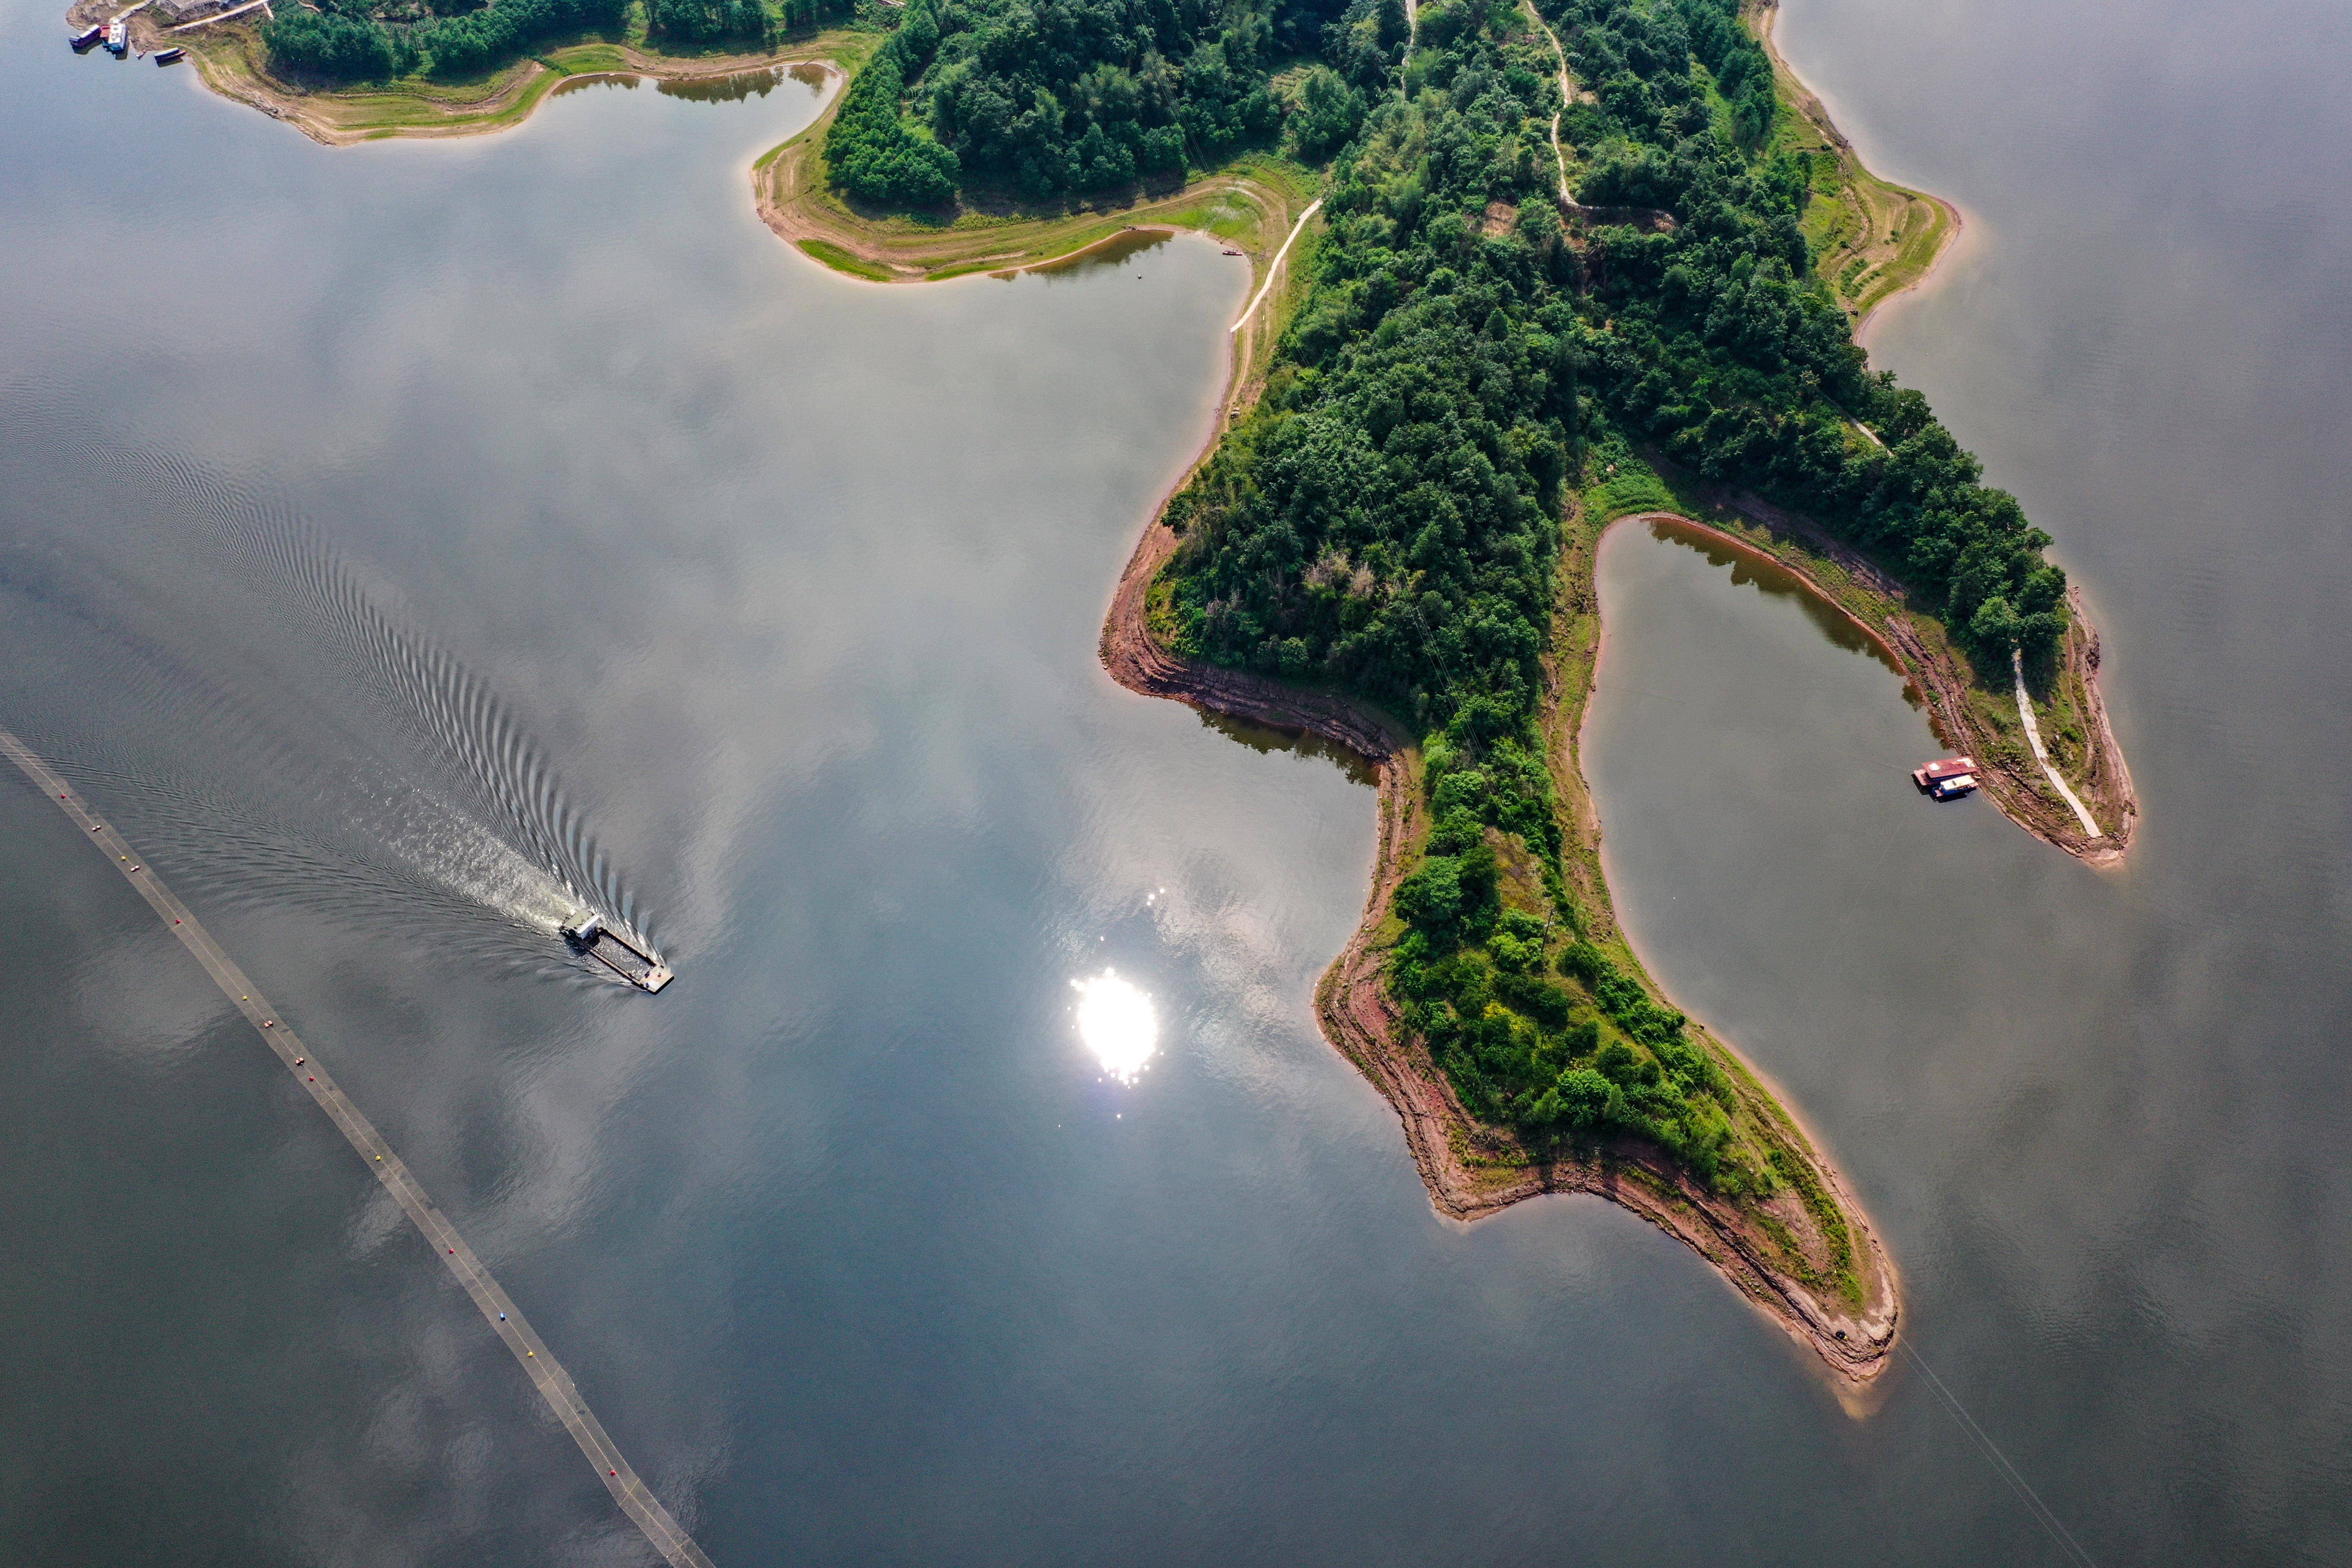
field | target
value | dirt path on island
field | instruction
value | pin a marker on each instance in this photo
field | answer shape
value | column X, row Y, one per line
column 1652, row 219
column 1274, row 267
column 2041, row 754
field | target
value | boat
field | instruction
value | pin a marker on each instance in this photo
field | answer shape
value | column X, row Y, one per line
column 587, row 933
column 1946, row 778
column 117, row 37
column 165, row 56
column 88, row 37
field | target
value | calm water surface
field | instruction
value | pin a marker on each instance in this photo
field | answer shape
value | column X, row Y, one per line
column 389, row 534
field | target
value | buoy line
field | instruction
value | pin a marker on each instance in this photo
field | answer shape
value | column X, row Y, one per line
column 505, row 1319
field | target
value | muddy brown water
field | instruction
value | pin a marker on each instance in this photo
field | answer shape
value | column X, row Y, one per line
column 390, row 534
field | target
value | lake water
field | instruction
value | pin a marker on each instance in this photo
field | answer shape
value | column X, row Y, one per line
column 388, row 533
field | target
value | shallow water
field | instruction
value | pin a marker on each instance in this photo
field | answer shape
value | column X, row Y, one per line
column 393, row 536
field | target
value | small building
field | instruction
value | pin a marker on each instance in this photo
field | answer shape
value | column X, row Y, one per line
column 1946, row 778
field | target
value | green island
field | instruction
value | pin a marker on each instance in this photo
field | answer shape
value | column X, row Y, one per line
column 1523, row 269
column 368, row 69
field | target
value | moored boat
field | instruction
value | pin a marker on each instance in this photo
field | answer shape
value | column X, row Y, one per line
column 1946, row 778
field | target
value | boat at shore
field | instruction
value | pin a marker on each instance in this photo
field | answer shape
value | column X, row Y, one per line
column 1946, row 778
column 88, row 37
column 587, row 933
column 117, row 37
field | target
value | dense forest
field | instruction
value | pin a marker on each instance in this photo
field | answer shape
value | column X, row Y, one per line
column 1387, row 518
column 1040, row 97
column 346, row 41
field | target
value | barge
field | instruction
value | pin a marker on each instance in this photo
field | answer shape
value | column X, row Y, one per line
column 86, row 39
column 166, row 56
column 587, row 933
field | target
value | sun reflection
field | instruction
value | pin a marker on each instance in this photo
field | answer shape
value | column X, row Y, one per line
column 1117, row 1023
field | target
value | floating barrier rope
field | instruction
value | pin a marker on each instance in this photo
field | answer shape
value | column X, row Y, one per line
column 505, row 1319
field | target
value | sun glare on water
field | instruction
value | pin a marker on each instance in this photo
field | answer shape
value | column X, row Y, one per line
column 1117, row 1023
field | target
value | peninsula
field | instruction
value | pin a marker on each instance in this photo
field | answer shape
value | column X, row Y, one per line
column 1523, row 269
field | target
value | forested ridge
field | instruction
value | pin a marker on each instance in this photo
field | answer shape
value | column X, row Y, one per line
column 1387, row 518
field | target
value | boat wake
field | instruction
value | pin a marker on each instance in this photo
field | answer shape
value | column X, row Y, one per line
column 294, row 735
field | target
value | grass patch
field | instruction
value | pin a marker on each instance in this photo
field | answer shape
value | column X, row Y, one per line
column 840, row 260
column 1870, row 238
column 1636, row 487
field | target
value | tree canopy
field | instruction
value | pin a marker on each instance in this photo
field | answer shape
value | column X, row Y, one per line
column 1042, row 97
column 1386, row 518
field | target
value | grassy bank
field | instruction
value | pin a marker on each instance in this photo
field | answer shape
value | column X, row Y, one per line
column 1871, row 237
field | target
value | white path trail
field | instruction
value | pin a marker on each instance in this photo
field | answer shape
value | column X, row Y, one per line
column 1567, row 96
column 1271, row 272
column 2034, row 739
column 221, row 16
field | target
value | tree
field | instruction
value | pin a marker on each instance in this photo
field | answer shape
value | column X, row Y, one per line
column 1585, row 1100
column 1996, row 628
column 1329, row 113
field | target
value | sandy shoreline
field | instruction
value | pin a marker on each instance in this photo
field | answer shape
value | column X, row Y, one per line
column 1763, row 16
column 1962, row 236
